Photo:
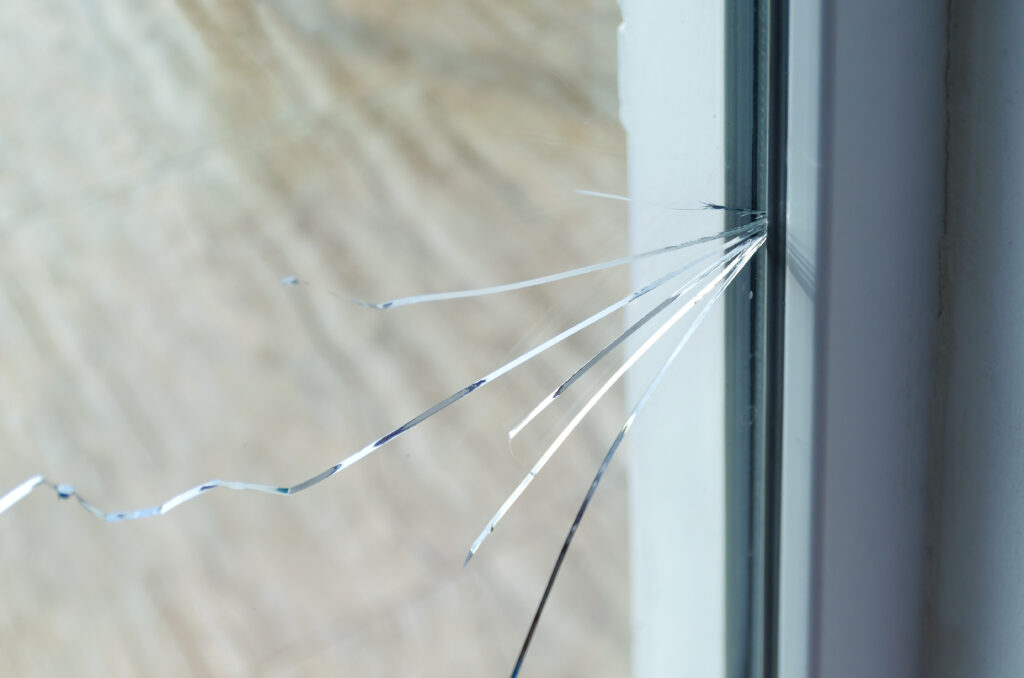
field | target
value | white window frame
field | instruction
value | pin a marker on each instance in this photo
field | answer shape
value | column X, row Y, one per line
column 672, row 92
column 865, row 177
column 865, row 210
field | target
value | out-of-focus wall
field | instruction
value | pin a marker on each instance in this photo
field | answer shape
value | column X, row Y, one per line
column 977, row 600
column 162, row 166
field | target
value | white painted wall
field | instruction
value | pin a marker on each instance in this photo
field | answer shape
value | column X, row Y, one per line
column 978, row 561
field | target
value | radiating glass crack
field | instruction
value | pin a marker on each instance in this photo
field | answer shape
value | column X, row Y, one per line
column 630, row 419
column 542, row 280
column 740, row 211
column 739, row 246
column 68, row 491
column 733, row 252
column 727, row 272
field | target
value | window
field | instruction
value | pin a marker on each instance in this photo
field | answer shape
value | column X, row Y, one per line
column 174, row 162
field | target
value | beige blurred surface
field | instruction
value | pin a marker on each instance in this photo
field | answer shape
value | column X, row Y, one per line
column 162, row 166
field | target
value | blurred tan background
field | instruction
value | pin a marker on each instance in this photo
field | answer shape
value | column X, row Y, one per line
column 162, row 166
